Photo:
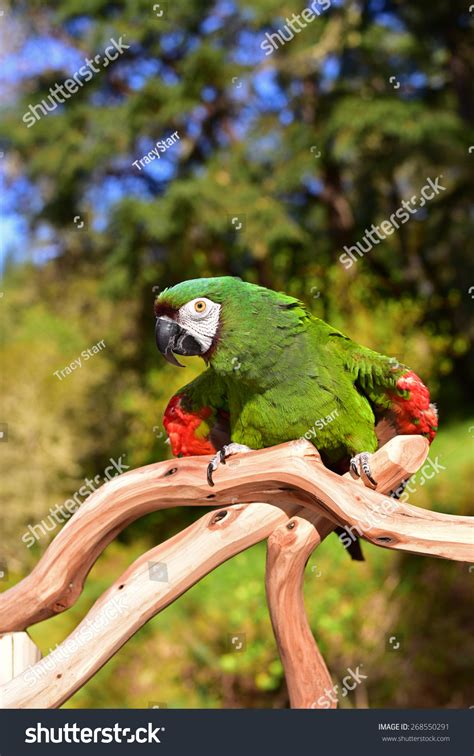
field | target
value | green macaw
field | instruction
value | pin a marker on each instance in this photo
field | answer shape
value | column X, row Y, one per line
column 278, row 373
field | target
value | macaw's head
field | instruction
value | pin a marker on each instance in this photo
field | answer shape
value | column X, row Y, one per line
column 224, row 320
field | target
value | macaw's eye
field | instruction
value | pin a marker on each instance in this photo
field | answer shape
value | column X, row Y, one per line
column 200, row 305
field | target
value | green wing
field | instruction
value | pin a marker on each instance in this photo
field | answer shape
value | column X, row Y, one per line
column 374, row 374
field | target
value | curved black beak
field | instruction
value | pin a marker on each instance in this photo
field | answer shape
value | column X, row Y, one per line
column 171, row 337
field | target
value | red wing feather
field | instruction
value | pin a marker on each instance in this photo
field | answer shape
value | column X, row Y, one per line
column 181, row 426
column 412, row 408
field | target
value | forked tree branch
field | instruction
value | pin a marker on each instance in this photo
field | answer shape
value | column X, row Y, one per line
column 289, row 548
column 290, row 477
column 289, row 474
column 136, row 597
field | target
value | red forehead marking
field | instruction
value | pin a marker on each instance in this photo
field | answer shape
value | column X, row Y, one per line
column 162, row 308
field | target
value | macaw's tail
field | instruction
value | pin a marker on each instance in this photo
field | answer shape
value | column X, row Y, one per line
column 354, row 548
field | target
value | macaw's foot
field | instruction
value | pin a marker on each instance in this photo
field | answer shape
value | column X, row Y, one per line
column 227, row 451
column 360, row 468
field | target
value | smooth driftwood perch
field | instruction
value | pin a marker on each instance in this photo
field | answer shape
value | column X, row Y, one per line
column 136, row 597
column 188, row 556
column 291, row 473
column 289, row 548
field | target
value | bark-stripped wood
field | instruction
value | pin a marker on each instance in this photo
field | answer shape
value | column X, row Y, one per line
column 138, row 595
column 289, row 548
column 289, row 473
column 289, row 480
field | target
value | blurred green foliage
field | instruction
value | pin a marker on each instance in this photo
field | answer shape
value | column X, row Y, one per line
column 243, row 150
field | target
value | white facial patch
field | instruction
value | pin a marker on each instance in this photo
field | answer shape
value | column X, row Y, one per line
column 200, row 318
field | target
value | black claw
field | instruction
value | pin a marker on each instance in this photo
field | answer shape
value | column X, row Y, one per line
column 367, row 471
column 209, row 474
column 364, row 468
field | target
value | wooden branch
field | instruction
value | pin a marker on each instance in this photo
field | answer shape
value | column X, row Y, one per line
column 291, row 473
column 141, row 592
column 289, row 548
column 285, row 476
